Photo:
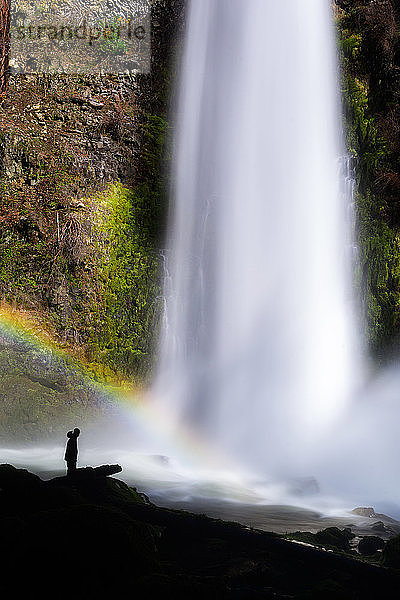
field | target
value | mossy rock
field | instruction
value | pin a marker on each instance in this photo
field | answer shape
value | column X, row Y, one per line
column 391, row 553
column 370, row 544
column 331, row 537
column 96, row 539
column 335, row 538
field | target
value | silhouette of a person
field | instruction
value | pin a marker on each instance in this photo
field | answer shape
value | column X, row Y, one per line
column 71, row 451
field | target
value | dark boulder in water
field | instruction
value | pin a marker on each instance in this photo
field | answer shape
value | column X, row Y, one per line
column 370, row 544
column 335, row 537
column 381, row 527
column 391, row 553
column 378, row 526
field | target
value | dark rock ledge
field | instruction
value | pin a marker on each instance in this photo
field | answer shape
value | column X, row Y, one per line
column 91, row 536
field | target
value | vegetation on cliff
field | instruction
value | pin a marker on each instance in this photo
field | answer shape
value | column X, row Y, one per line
column 83, row 203
column 369, row 43
column 84, row 180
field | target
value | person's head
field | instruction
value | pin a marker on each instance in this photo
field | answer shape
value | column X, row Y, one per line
column 70, row 434
column 76, row 432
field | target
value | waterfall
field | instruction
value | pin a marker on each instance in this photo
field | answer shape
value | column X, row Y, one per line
column 258, row 349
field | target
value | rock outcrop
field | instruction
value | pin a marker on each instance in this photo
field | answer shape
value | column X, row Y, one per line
column 96, row 537
column 391, row 553
column 370, row 544
column 364, row 512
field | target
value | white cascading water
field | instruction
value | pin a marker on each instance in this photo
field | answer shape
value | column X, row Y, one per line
column 258, row 347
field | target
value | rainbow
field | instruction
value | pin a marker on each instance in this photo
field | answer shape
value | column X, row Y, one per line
column 135, row 405
column 29, row 326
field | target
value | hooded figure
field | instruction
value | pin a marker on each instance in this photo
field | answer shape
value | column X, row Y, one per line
column 71, row 451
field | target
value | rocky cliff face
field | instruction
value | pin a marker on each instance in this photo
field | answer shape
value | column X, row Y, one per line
column 110, row 541
column 82, row 192
column 65, row 140
column 83, row 179
column 369, row 43
column 43, row 394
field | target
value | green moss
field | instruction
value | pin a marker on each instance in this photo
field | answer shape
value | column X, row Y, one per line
column 378, row 270
column 332, row 538
column 91, row 268
column 379, row 275
column 391, row 553
column 125, row 305
column 125, row 315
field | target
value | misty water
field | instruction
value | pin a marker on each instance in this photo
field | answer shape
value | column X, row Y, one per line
column 259, row 348
column 263, row 396
column 262, row 353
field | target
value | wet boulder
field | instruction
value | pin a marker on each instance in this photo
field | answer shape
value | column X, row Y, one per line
column 391, row 553
column 379, row 526
column 370, row 544
column 335, row 538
